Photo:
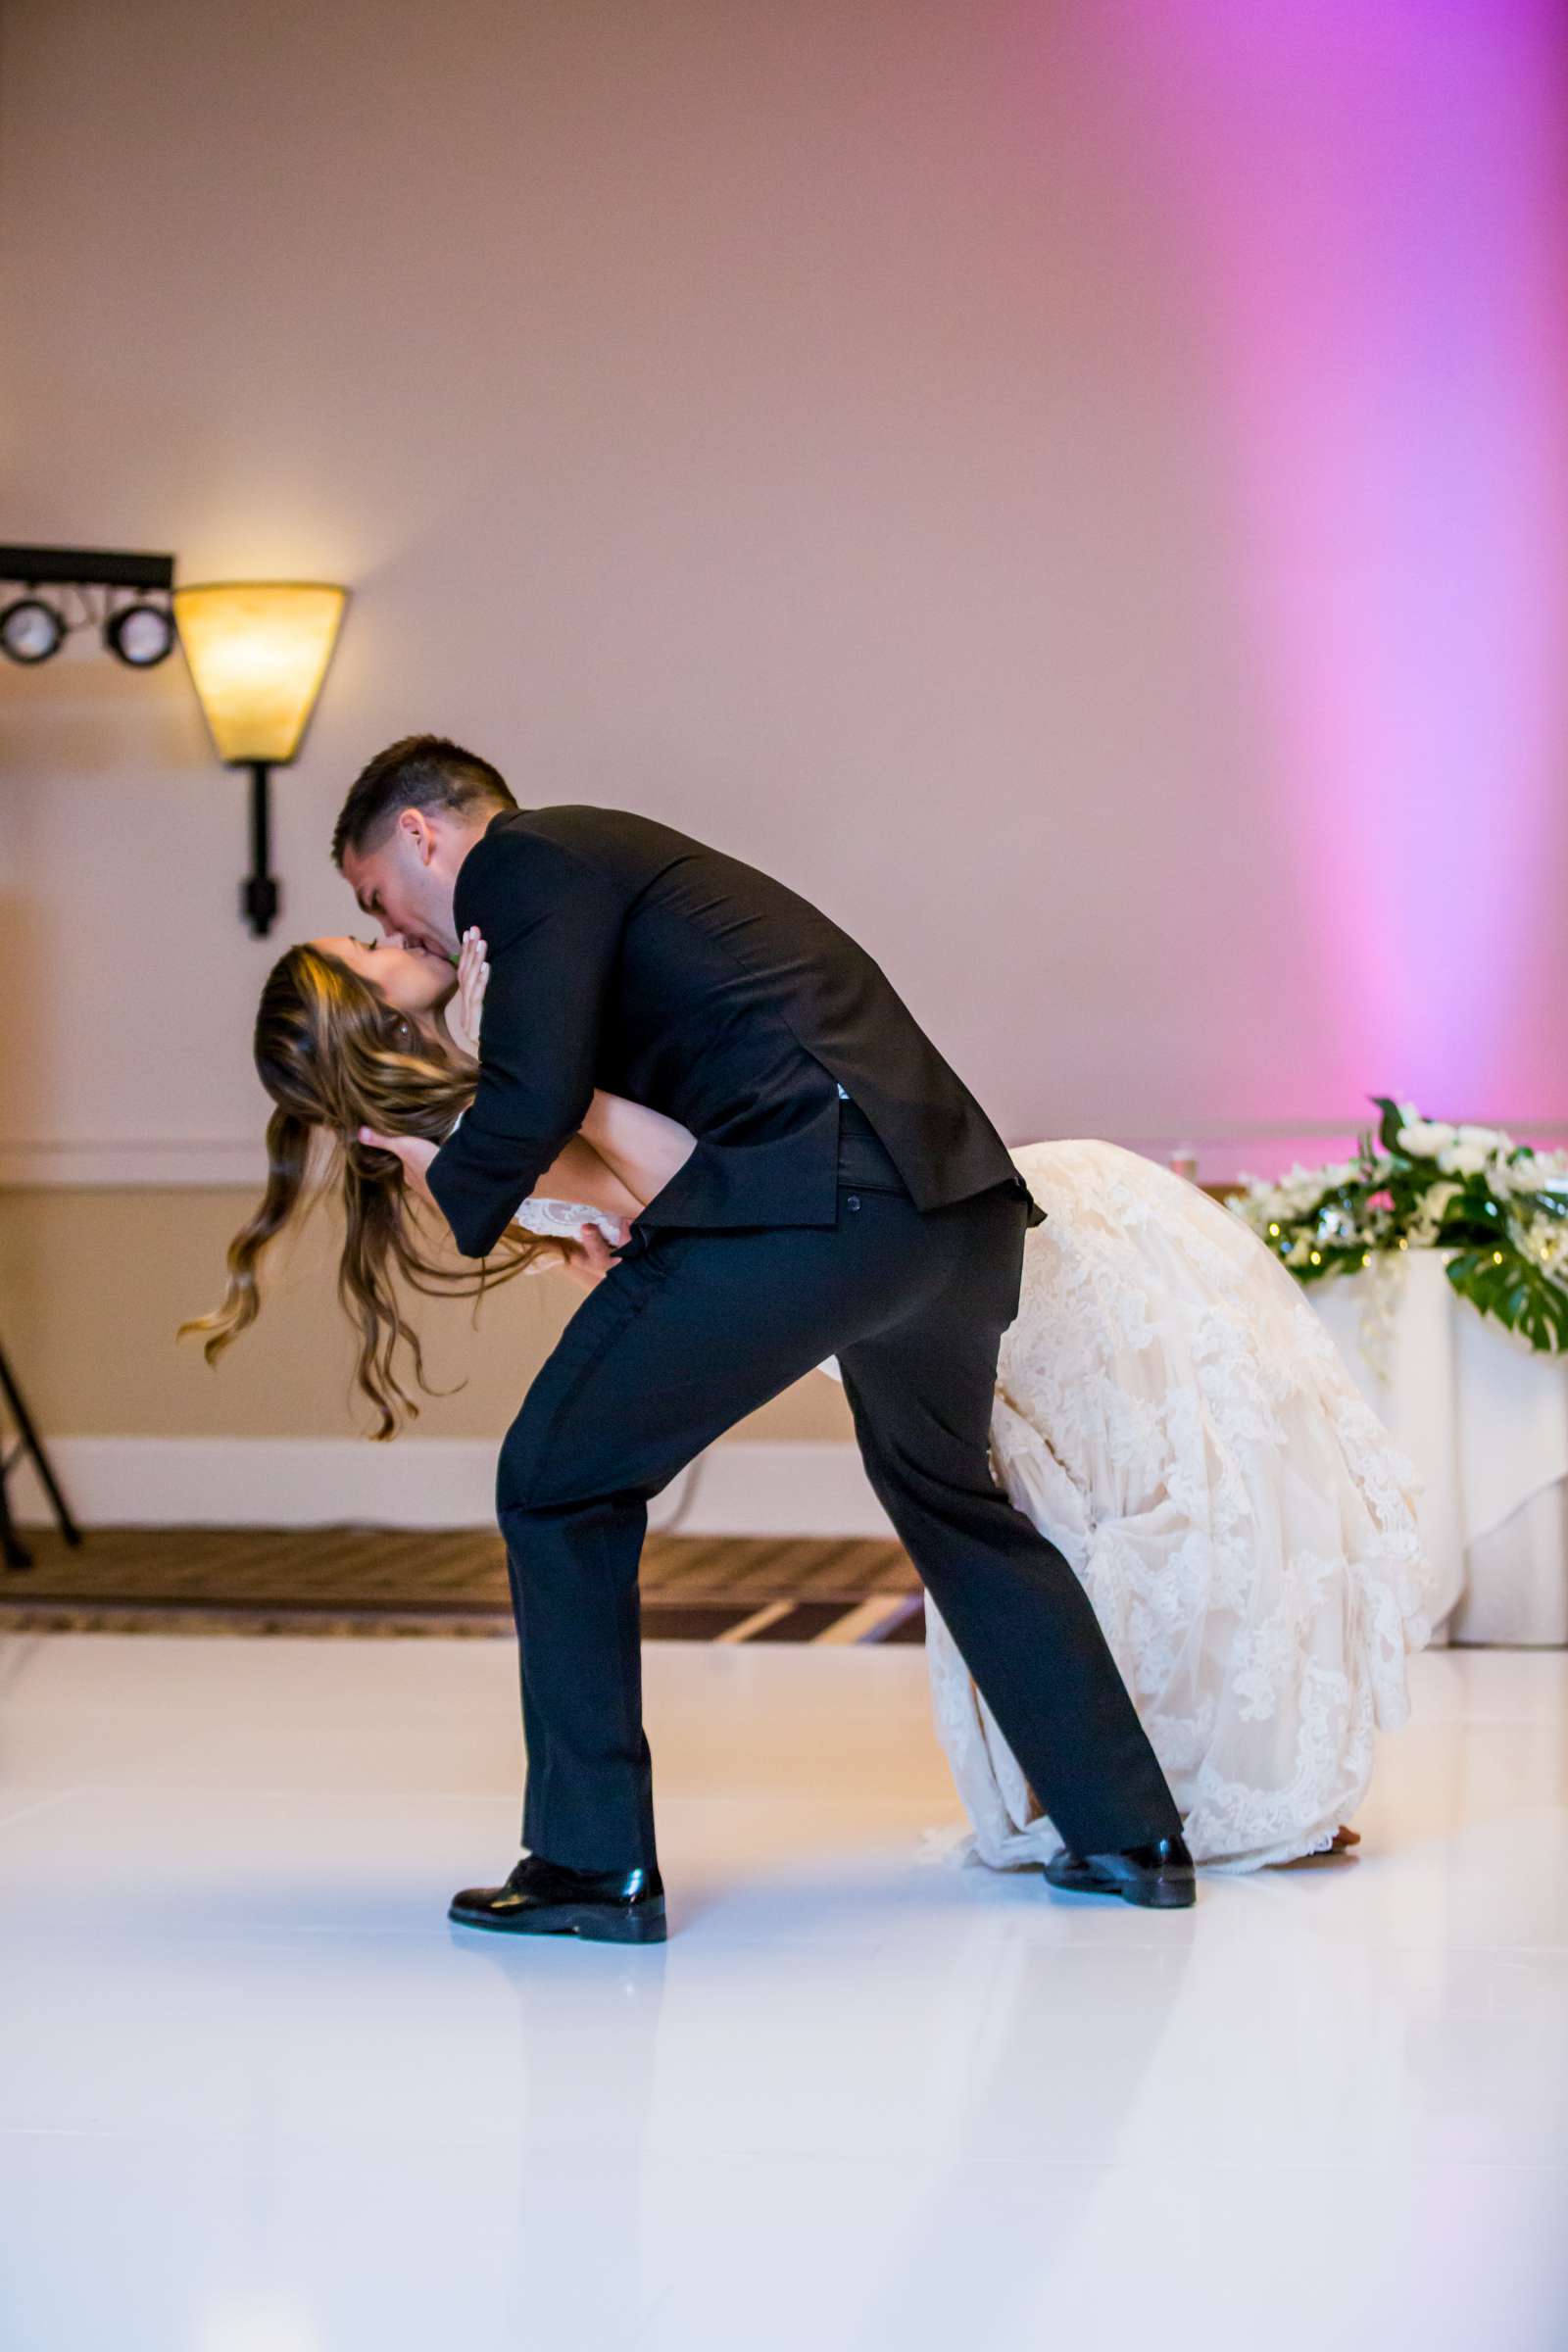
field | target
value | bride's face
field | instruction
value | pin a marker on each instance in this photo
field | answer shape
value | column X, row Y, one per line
column 410, row 980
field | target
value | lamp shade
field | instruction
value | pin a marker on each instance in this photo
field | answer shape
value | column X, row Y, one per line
column 258, row 652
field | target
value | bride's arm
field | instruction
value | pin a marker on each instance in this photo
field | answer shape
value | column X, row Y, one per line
column 621, row 1146
column 577, row 1173
column 639, row 1146
column 622, row 1155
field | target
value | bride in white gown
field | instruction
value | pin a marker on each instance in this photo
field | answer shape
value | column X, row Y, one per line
column 1173, row 1416
column 1169, row 1412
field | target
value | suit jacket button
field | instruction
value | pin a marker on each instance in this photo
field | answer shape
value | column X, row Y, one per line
column 853, row 1202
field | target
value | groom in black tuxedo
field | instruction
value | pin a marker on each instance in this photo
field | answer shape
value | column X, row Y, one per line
column 847, row 1196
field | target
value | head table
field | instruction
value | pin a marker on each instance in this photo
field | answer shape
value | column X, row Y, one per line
column 1485, row 1421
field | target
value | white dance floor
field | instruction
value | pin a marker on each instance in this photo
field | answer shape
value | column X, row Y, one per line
column 256, row 2095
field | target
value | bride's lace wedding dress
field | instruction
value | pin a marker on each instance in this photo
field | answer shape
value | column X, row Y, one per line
column 1172, row 1414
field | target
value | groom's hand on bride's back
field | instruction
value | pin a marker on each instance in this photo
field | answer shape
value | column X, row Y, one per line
column 416, row 1152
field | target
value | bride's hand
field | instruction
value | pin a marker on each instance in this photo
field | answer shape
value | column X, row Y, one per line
column 592, row 1258
column 467, row 1007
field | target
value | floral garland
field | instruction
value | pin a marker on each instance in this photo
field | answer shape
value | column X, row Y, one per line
column 1419, row 1184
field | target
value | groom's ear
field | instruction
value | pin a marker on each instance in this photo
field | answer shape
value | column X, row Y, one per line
column 415, row 827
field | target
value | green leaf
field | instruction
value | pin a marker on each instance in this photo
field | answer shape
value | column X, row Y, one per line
column 1390, row 1123
column 1517, row 1294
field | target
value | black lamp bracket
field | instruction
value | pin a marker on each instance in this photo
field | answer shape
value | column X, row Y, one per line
column 258, row 894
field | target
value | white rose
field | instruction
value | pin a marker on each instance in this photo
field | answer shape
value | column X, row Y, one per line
column 1434, row 1207
column 1527, row 1176
column 1424, row 1139
column 1464, row 1159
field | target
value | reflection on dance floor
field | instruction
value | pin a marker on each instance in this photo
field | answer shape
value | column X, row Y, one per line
column 257, row 2094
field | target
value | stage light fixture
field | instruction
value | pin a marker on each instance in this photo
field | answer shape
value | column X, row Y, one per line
column 30, row 631
column 86, row 581
column 142, row 634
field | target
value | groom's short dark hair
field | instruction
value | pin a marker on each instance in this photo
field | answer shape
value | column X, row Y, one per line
column 422, row 771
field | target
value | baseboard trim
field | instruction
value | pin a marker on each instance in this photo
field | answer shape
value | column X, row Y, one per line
column 158, row 1164
column 739, row 1488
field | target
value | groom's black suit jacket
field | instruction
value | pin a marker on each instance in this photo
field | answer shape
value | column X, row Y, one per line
column 626, row 956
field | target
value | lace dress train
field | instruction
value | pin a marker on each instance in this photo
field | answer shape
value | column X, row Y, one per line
column 1173, row 1416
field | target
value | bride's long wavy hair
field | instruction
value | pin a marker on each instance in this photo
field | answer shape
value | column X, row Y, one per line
column 335, row 1056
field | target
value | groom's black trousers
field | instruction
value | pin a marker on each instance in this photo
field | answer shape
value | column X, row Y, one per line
column 693, row 1330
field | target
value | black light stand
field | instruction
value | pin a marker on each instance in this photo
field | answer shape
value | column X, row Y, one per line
column 28, row 1442
column 33, row 629
column 78, row 569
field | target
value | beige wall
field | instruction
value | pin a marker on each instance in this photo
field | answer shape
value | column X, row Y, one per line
column 819, row 425
column 791, row 421
column 93, row 1283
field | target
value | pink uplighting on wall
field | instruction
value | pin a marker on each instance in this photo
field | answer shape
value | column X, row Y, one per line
column 1370, row 204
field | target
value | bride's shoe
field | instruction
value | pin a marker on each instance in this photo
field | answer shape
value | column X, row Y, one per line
column 1159, row 1877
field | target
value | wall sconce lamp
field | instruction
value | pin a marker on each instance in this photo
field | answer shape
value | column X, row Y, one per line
column 257, row 650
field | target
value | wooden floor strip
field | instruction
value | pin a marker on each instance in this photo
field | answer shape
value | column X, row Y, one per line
column 863, row 1622
column 341, row 1580
column 756, row 1622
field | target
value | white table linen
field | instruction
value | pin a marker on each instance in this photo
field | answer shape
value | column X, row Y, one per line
column 1485, row 1420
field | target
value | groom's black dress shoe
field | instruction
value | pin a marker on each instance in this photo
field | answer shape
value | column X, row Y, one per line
column 546, row 1899
column 1159, row 1876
